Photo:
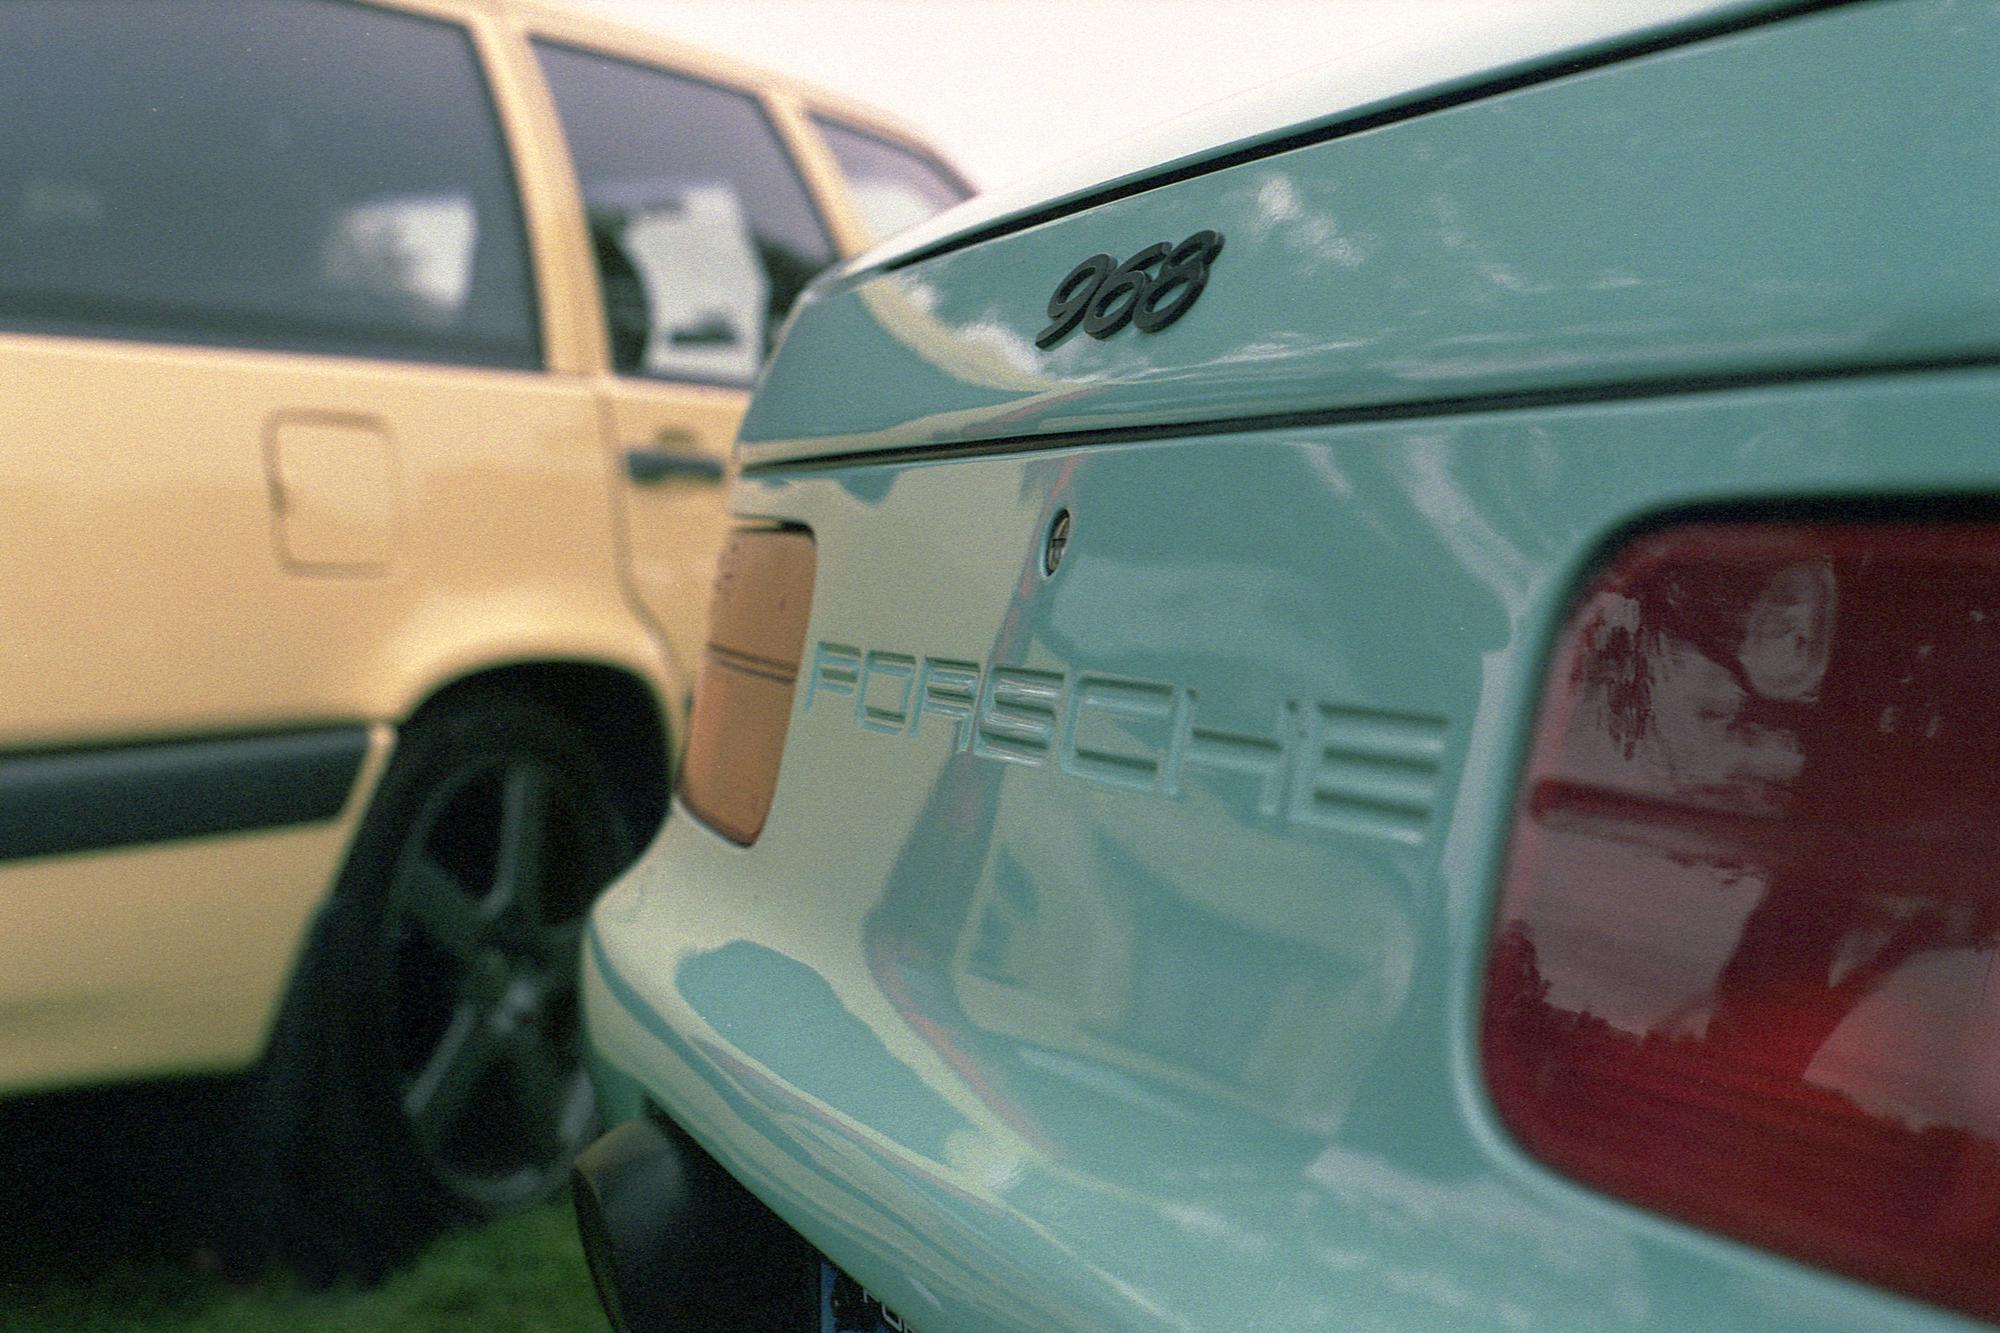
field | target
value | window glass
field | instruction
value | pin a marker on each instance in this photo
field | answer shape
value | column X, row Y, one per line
column 299, row 174
column 703, row 231
column 893, row 186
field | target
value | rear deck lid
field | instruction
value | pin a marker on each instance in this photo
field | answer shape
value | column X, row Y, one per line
column 1590, row 202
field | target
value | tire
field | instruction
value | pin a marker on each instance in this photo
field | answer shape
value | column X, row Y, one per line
column 427, row 1069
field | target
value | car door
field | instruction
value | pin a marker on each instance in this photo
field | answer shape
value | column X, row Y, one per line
column 704, row 234
column 268, row 340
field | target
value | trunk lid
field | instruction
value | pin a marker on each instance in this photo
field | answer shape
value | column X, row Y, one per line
column 1626, row 218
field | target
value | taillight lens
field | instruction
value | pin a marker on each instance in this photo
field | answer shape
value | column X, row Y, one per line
column 743, row 699
column 1744, row 969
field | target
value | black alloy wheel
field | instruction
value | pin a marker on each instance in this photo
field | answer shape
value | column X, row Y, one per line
column 484, row 923
column 427, row 1070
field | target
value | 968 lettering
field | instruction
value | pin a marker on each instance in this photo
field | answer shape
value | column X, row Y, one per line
column 1102, row 295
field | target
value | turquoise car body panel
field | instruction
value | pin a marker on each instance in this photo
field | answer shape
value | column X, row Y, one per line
column 1111, row 956
column 1744, row 206
column 1075, row 1054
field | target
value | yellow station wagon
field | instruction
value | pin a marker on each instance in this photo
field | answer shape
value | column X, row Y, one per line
column 368, row 372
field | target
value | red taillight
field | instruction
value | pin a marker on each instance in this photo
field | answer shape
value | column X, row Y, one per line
column 1744, row 969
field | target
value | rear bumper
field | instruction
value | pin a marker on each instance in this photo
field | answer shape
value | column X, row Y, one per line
column 1026, row 1037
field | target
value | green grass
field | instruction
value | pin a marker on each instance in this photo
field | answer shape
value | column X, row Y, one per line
column 523, row 1275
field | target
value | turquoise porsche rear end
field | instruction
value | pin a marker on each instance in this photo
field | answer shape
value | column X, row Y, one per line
column 1389, row 721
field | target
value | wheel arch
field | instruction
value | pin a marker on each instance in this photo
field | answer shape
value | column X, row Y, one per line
column 618, row 712
column 341, row 1010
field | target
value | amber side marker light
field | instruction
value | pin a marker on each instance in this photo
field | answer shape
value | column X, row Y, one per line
column 743, row 697
column 1744, row 967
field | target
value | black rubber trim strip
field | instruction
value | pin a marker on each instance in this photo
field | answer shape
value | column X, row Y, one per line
column 126, row 795
column 785, row 673
column 1340, row 129
column 1363, row 414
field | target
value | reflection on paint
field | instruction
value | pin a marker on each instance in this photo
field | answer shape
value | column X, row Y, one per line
column 1744, row 971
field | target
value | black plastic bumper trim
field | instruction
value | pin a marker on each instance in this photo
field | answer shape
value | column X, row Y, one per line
column 69, row 801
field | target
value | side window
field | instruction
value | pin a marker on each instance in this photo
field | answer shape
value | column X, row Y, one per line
column 893, row 185
column 304, row 175
column 703, row 230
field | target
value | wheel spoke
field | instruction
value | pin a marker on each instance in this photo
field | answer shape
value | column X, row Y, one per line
column 559, row 949
column 545, row 1087
column 440, row 907
column 578, row 1122
column 524, row 819
column 443, row 1088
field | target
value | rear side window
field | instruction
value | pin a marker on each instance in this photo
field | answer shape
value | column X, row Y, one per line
column 305, row 175
column 893, row 185
column 703, row 231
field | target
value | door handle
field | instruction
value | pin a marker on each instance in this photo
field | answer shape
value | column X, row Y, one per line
column 649, row 465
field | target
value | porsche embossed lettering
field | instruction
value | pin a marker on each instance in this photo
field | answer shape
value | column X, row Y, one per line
column 1104, row 295
column 1336, row 767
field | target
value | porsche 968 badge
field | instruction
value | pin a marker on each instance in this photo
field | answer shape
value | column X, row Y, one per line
column 1151, row 290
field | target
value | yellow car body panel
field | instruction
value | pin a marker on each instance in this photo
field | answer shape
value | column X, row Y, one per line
column 217, row 542
column 100, row 953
